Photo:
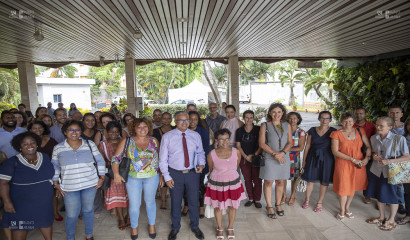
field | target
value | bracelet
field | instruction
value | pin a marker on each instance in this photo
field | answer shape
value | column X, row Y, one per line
column 283, row 151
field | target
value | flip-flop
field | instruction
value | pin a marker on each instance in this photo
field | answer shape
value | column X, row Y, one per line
column 403, row 221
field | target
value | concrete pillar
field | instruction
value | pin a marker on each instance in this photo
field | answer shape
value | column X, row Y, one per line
column 28, row 86
column 131, row 85
column 233, row 81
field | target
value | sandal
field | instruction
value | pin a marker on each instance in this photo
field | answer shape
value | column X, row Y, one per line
column 403, row 221
column 183, row 213
column 283, row 201
column 219, row 236
column 280, row 213
column 319, row 207
column 388, row 226
column 271, row 215
column 230, row 236
column 377, row 221
column 305, row 205
column 349, row 215
column 128, row 221
column 291, row 201
column 340, row 217
column 122, row 225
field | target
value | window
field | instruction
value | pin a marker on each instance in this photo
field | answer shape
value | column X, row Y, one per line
column 57, row 98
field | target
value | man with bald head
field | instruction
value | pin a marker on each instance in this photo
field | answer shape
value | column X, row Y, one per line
column 214, row 119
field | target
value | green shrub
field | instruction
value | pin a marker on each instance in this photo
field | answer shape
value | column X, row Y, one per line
column 173, row 108
column 375, row 86
column 5, row 106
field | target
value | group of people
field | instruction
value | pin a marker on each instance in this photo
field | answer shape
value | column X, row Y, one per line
column 198, row 161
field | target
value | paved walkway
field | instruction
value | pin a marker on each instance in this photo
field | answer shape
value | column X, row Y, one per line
column 252, row 224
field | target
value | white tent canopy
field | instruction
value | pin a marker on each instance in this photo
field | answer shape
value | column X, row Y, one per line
column 194, row 91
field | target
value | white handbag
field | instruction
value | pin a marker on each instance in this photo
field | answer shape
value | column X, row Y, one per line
column 209, row 211
column 300, row 183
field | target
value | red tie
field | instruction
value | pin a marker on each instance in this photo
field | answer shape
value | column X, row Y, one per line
column 186, row 155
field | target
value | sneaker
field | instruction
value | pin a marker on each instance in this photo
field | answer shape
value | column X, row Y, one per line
column 248, row 203
column 258, row 205
column 401, row 210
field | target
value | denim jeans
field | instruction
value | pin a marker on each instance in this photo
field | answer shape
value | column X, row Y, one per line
column 135, row 186
column 75, row 202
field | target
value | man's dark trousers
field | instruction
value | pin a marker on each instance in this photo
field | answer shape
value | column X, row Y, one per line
column 190, row 182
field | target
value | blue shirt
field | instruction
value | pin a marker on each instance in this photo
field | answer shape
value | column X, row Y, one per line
column 56, row 133
column 214, row 124
column 399, row 131
column 5, row 140
column 77, row 168
column 205, row 144
column 172, row 152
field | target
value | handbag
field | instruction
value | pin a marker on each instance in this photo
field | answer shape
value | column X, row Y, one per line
column 300, row 183
column 107, row 181
column 124, row 166
column 399, row 172
column 259, row 160
column 209, row 211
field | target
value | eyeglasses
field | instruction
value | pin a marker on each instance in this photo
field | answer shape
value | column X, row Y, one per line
column 380, row 126
column 182, row 121
column 223, row 140
column 73, row 130
column 325, row 119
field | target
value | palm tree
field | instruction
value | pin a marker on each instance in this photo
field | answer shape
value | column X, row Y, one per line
column 315, row 79
column 67, row 70
column 9, row 86
column 288, row 75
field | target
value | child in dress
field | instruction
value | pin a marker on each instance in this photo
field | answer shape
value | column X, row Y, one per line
column 224, row 190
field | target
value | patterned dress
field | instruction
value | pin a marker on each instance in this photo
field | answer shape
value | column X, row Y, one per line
column 224, row 186
column 295, row 156
column 116, row 195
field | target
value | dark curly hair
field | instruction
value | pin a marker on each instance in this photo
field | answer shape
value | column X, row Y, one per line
column 109, row 115
column 324, row 112
column 222, row 131
column 92, row 115
column 38, row 110
column 16, row 141
column 46, row 129
column 295, row 114
column 273, row 106
column 72, row 122
column 114, row 124
column 347, row 115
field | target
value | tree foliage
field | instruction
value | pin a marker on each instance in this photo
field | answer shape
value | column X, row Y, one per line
column 68, row 71
column 9, row 86
column 109, row 76
column 374, row 85
column 250, row 70
column 289, row 74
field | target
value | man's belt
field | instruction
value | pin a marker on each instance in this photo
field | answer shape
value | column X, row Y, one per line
column 182, row 171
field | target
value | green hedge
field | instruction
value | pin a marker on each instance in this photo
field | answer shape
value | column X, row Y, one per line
column 374, row 85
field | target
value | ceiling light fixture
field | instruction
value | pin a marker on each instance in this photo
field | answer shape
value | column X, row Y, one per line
column 207, row 53
column 182, row 20
column 38, row 34
column 102, row 61
column 137, row 34
column 182, row 42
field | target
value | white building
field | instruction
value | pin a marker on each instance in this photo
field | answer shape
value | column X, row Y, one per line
column 65, row 90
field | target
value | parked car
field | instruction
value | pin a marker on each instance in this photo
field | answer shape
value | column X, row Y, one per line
column 118, row 98
column 244, row 98
column 183, row 101
column 200, row 101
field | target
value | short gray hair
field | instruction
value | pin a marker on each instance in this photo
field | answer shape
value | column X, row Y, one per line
column 179, row 113
column 388, row 120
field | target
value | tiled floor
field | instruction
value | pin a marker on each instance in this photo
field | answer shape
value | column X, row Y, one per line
column 252, row 224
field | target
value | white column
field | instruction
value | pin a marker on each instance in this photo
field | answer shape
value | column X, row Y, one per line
column 28, row 86
column 233, row 81
column 131, row 85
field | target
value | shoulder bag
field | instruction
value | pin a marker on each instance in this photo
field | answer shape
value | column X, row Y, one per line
column 259, row 160
column 107, row 180
column 363, row 149
column 399, row 172
column 300, row 183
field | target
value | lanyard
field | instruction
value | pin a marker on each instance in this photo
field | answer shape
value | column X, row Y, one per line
column 280, row 137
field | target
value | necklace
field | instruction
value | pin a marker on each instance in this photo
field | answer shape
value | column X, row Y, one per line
column 31, row 161
column 281, row 135
column 349, row 133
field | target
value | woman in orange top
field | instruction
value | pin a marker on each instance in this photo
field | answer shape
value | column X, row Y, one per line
column 349, row 175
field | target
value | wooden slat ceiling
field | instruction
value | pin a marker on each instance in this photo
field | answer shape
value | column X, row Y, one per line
column 82, row 30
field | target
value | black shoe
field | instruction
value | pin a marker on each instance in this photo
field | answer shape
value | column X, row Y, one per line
column 258, row 205
column 134, row 237
column 173, row 234
column 201, row 216
column 402, row 209
column 248, row 203
column 198, row 233
column 152, row 235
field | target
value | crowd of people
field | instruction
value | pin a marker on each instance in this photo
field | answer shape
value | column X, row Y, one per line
column 105, row 160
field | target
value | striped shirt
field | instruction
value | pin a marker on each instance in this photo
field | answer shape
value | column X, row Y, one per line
column 77, row 167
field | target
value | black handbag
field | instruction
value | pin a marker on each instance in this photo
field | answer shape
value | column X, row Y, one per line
column 107, row 181
column 124, row 166
column 259, row 160
column 363, row 148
